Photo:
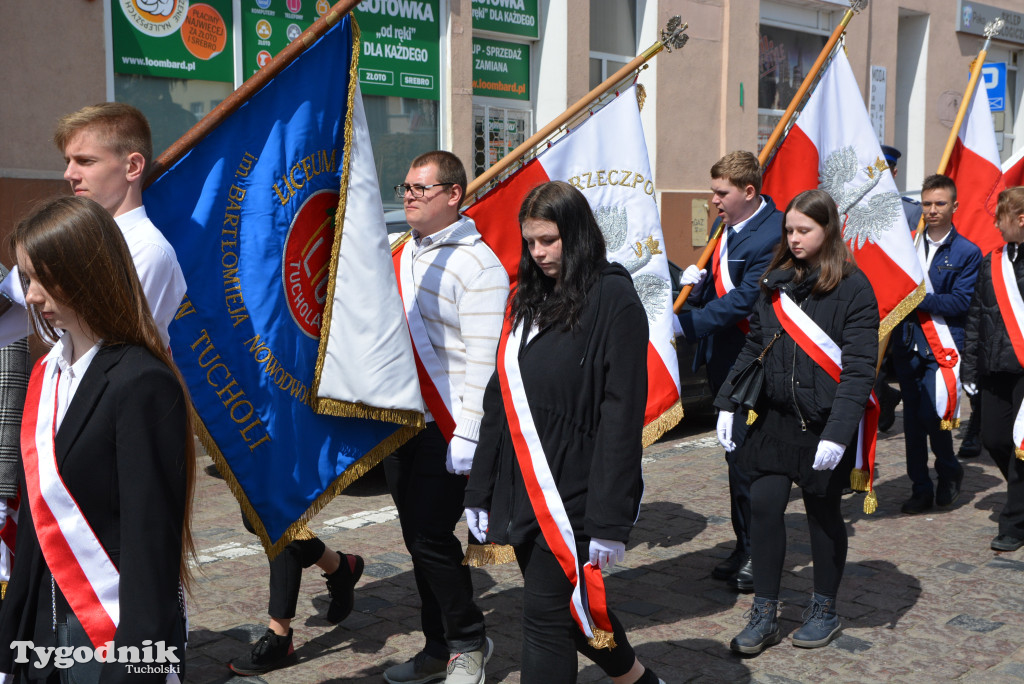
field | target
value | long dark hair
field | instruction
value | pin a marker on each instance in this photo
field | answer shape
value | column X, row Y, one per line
column 81, row 258
column 836, row 260
column 583, row 255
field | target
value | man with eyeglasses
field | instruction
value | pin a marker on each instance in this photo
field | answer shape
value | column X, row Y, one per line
column 454, row 290
column 952, row 262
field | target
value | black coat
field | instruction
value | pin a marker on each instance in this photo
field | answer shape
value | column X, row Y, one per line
column 794, row 383
column 121, row 453
column 587, row 390
column 987, row 346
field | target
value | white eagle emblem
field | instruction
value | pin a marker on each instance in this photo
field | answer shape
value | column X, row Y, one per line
column 864, row 220
column 652, row 289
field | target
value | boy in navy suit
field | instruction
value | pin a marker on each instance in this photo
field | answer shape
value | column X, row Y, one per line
column 718, row 322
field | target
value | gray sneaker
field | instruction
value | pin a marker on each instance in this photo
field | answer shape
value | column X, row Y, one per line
column 423, row 668
column 468, row 668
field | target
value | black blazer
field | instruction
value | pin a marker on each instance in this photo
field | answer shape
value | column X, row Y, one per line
column 121, row 452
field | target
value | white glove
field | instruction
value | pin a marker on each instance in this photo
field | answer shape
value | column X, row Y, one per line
column 828, row 456
column 477, row 520
column 604, row 553
column 970, row 388
column 460, row 455
column 692, row 276
column 725, row 419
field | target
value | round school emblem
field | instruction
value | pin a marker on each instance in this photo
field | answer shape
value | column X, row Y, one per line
column 305, row 266
column 155, row 18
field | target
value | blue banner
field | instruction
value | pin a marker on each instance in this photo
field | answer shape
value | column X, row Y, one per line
column 250, row 212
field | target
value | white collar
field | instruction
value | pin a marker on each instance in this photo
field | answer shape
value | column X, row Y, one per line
column 131, row 218
column 63, row 351
column 742, row 224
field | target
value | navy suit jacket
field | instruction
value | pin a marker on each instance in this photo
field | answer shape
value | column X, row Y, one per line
column 954, row 272
column 712, row 324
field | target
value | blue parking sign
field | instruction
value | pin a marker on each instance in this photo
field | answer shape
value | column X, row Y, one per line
column 994, row 74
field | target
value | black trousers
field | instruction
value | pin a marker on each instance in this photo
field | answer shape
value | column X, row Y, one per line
column 921, row 427
column 551, row 637
column 429, row 503
column 739, row 486
column 1000, row 396
column 829, row 543
column 286, row 573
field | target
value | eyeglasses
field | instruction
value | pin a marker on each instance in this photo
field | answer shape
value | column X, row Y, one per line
column 416, row 190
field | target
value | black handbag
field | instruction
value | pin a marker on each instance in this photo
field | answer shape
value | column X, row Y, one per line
column 747, row 385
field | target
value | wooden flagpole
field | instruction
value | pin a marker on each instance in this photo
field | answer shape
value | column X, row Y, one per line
column 780, row 129
column 252, row 84
column 672, row 37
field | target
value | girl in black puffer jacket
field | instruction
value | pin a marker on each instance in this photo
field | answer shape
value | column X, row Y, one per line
column 806, row 424
column 992, row 366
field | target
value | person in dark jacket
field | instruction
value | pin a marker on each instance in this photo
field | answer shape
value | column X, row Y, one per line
column 108, row 464
column 572, row 364
column 806, row 426
column 992, row 365
column 722, row 300
column 952, row 263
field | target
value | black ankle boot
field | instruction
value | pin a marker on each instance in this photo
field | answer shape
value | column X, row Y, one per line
column 821, row 624
column 761, row 631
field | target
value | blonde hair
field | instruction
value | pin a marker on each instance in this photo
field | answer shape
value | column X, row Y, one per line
column 120, row 127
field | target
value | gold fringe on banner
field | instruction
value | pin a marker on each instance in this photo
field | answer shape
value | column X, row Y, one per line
column 602, row 639
column 3, row 590
column 662, row 424
column 479, row 555
column 870, row 503
column 901, row 311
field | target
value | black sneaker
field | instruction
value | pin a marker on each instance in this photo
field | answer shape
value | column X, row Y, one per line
column 269, row 653
column 1005, row 542
column 917, row 504
column 341, row 585
column 948, row 491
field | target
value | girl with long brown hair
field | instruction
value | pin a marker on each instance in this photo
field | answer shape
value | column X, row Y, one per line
column 108, row 462
column 818, row 312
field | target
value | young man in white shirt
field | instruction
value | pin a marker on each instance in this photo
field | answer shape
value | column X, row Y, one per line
column 455, row 290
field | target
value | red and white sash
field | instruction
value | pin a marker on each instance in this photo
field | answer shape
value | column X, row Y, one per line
column 436, row 387
column 721, row 275
column 588, row 606
column 1011, row 307
column 816, row 343
column 942, row 381
column 76, row 558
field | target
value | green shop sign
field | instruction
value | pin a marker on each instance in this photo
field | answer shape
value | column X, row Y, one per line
column 173, row 39
column 269, row 25
column 400, row 44
column 501, row 69
column 515, row 17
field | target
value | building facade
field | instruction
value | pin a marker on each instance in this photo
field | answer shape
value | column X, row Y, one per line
column 478, row 77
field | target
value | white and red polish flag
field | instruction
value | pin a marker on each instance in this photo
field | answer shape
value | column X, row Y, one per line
column 833, row 146
column 974, row 167
column 1013, row 170
column 606, row 158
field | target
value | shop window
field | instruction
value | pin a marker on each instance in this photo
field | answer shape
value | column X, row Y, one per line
column 785, row 57
column 401, row 129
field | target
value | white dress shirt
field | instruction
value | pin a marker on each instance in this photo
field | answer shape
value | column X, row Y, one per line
column 155, row 261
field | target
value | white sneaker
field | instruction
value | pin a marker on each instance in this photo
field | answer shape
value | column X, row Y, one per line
column 468, row 668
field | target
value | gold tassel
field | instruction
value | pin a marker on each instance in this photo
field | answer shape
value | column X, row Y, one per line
column 1019, row 453
column 602, row 639
column 479, row 555
column 641, row 95
column 751, row 417
column 3, row 590
column 870, row 502
column 859, row 480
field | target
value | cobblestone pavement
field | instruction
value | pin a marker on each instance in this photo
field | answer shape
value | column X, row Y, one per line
column 924, row 599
